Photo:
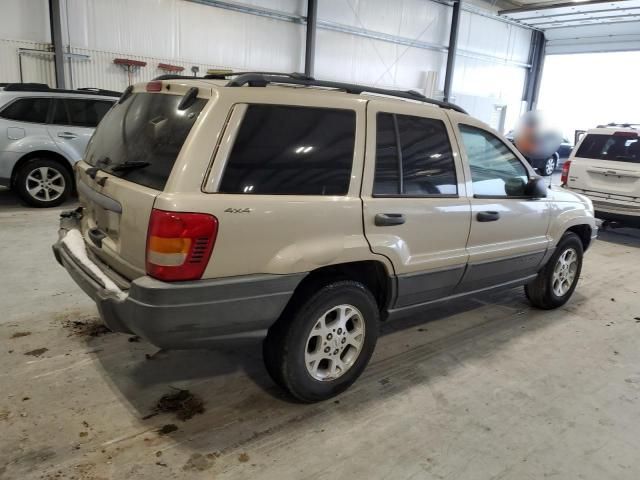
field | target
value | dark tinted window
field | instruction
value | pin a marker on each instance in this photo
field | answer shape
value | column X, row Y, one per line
column 147, row 129
column 80, row 112
column 495, row 170
column 427, row 166
column 621, row 148
column 27, row 110
column 292, row 151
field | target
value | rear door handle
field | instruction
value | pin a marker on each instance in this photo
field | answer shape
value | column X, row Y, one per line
column 488, row 216
column 389, row 219
column 67, row 135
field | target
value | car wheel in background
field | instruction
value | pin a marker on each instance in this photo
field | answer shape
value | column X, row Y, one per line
column 556, row 282
column 42, row 182
column 549, row 166
column 321, row 346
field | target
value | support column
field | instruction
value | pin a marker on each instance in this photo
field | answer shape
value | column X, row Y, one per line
column 310, row 46
column 534, row 74
column 451, row 52
column 55, row 18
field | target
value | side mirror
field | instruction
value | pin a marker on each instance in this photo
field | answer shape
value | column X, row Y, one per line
column 536, row 188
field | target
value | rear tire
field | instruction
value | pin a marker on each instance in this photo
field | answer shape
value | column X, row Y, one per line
column 42, row 182
column 318, row 349
column 557, row 281
column 549, row 166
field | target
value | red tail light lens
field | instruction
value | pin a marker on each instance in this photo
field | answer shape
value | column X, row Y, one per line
column 179, row 244
column 564, row 177
column 154, row 86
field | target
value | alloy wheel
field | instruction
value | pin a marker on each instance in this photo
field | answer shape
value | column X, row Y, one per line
column 45, row 184
column 564, row 272
column 334, row 343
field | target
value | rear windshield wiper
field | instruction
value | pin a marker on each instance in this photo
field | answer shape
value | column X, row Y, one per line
column 132, row 165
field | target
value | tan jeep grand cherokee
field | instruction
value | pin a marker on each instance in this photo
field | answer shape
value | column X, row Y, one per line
column 268, row 204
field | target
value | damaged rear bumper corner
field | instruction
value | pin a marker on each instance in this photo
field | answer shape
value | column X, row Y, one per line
column 191, row 314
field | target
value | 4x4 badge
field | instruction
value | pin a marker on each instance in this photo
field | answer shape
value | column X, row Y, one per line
column 238, row 210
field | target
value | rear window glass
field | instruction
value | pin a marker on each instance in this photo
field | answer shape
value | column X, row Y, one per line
column 27, row 110
column 140, row 139
column 620, row 148
column 285, row 150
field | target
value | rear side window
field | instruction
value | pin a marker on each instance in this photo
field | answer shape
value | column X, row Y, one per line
column 413, row 157
column 79, row 112
column 286, row 150
column 27, row 110
column 141, row 138
column 621, row 148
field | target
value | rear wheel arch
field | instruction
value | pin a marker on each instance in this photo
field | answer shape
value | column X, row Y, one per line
column 372, row 274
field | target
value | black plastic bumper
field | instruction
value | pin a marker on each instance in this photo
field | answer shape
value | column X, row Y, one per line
column 184, row 314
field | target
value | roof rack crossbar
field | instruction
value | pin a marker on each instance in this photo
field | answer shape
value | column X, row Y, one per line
column 260, row 79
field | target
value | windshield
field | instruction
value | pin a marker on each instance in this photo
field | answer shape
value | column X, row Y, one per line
column 141, row 138
column 621, row 148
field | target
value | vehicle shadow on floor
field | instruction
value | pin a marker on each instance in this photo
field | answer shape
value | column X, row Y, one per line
column 629, row 237
column 241, row 399
column 10, row 202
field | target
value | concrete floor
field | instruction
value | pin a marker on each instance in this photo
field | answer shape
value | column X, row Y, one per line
column 485, row 388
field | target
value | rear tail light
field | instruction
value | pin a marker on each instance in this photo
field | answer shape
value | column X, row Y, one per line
column 179, row 244
column 564, row 177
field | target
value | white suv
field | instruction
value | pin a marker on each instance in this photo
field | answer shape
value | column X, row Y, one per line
column 605, row 166
column 43, row 133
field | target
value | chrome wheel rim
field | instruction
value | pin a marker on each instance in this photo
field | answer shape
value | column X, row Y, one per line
column 334, row 343
column 564, row 272
column 45, row 184
column 549, row 166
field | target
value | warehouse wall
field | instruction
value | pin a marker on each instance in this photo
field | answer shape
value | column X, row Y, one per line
column 377, row 42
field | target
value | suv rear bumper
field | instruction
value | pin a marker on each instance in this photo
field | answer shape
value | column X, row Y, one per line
column 184, row 314
column 626, row 219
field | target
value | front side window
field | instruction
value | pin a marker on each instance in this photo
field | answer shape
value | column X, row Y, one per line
column 33, row 110
column 287, row 150
column 413, row 157
column 79, row 112
column 495, row 169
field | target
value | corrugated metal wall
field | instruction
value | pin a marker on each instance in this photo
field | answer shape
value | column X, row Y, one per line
column 376, row 42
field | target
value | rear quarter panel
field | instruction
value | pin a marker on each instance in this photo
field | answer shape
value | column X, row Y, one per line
column 277, row 234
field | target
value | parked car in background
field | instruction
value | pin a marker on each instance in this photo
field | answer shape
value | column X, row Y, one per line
column 605, row 166
column 43, row 133
column 546, row 166
column 216, row 211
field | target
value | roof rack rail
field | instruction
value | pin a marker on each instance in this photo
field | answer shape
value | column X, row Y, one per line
column 43, row 87
column 213, row 76
column 261, row 79
column 27, row 87
column 623, row 125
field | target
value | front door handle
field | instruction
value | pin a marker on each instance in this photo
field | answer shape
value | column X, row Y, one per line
column 68, row 135
column 488, row 216
column 389, row 219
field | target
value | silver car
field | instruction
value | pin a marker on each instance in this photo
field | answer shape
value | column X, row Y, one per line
column 43, row 133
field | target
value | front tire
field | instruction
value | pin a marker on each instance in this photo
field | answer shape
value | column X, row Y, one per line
column 42, row 182
column 557, row 281
column 318, row 349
